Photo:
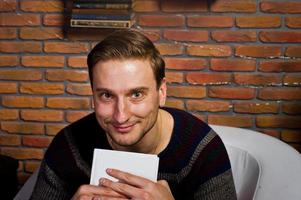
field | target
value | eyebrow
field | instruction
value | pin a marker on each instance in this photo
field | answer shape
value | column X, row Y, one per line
column 129, row 91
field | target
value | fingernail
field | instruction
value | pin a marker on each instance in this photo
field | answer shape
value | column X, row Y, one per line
column 109, row 170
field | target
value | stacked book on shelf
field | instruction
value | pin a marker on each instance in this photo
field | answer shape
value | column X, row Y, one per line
column 102, row 14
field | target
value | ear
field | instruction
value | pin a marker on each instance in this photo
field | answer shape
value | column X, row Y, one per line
column 162, row 92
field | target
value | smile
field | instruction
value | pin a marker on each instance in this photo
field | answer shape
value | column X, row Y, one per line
column 123, row 128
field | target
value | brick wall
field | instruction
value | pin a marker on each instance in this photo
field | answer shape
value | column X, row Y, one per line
column 230, row 62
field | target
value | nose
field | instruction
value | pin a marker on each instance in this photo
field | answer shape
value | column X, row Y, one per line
column 121, row 112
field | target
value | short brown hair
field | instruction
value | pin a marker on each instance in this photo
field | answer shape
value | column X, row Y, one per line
column 127, row 44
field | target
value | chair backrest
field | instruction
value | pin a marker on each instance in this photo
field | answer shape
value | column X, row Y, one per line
column 26, row 190
column 276, row 166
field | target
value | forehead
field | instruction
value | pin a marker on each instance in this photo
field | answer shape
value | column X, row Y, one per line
column 123, row 74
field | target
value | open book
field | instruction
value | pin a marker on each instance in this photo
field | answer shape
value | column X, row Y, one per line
column 144, row 165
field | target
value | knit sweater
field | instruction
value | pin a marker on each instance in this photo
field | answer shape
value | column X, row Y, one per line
column 194, row 163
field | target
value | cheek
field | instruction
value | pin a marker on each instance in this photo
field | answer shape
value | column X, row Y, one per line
column 103, row 111
column 145, row 109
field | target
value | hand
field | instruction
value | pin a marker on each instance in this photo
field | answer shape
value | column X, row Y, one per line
column 135, row 187
column 92, row 192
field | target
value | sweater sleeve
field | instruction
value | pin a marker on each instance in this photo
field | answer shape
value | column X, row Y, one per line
column 49, row 186
column 214, row 168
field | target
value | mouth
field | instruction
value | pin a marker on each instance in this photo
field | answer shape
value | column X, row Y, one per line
column 123, row 128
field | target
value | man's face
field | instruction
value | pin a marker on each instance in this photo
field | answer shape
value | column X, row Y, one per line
column 126, row 99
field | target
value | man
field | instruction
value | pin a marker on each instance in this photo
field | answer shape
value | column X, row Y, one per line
column 129, row 91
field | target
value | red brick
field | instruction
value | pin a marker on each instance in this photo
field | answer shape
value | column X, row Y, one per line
column 67, row 75
column 162, row 20
column 8, row 114
column 232, row 65
column 23, row 101
column 210, row 21
column 186, row 92
column 234, row 36
column 293, row 51
column 234, row 121
column 210, row 106
column 174, row 103
column 87, row 34
column 77, row 62
column 12, row 19
column 41, row 33
column 292, row 108
column 76, row 115
column 8, row 88
column 270, row 132
column 36, row 141
column 79, row 89
column 204, row 78
column 8, row 61
column 8, row 5
column 174, row 77
column 281, row 7
column 68, row 103
column 41, row 88
column 292, row 80
column 231, row 93
column 22, row 153
column 184, row 35
column 271, row 93
column 278, row 121
column 183, row 6
column 43, row 61
column 8, row 33
column 185, row 63
column 53, row 20
column 9, row 140
column 280, row 36
column 201, row 117
column 234, row 6
column 293, row 21
column 42, row 6
column 291, row 136
column 256, row 108
column 53, row 129
column 42, row 115
column 169, row 49
column 257, row 79
column 209, row 50
column 146, row 6
column 20, row 47
column 258, row 51
column 258, row 21
column 280, row 66
column 23, row 128
column 26, row 75
column 153, row 35
column 23, row 177
column 66, row 47
column 31, row 166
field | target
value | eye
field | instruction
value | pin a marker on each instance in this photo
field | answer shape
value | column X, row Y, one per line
column 105, row 96
column 137, row 95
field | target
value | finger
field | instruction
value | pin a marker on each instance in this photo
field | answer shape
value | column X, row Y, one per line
column 164, row 183
column 122, row 188
column 109, row 198
column 97, row 191
column 128, row 178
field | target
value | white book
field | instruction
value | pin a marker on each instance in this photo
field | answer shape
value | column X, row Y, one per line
column 144, row 165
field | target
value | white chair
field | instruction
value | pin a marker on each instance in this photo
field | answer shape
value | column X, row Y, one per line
column 264, row 168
